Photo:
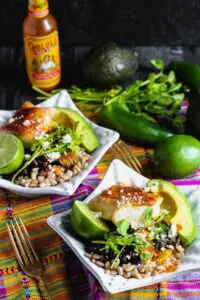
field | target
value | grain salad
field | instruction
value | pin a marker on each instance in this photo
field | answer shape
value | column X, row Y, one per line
column 45, row 172
column 165, row 257
column 135, row 232
column 56, row 145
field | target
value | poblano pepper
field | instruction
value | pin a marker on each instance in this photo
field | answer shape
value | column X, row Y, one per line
column 134, row 129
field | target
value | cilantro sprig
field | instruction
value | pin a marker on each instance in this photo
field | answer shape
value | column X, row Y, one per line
column 55, row 143
column 159, row 225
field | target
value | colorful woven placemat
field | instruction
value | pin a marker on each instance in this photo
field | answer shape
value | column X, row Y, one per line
column 65, row 275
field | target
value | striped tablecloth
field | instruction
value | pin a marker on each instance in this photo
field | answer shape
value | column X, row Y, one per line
column 65, row 275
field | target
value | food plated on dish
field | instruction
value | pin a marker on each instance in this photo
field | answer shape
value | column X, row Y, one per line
column 131, row 231
column 52, row 145
column 58, row 143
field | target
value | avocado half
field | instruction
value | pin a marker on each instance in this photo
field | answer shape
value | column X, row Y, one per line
column 72, row 119
column 179, row 206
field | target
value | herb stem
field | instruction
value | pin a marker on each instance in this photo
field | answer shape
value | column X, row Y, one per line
column 35, row 88
column 118, row 255
column 34, row 156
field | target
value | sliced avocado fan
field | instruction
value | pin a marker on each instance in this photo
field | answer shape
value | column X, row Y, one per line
column 178, row 205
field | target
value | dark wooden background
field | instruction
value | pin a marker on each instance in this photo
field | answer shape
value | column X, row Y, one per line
column 87, row 22
column 169, row 29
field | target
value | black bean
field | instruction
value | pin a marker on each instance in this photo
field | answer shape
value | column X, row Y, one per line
column 135, row 259
column 41, row 163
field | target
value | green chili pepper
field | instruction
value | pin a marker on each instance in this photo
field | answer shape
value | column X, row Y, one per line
column 189, row 74
column 132, row 128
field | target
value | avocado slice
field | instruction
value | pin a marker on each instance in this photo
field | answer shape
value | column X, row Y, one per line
column 71, row 118
column 179, row 206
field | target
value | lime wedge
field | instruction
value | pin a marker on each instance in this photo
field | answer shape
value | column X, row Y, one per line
column 85, row 223
column 11, row 153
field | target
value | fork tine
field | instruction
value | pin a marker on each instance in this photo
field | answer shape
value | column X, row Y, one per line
column 132, row 159
column 117, row 149
column 14, row 245
column 28, row 239
column 25, row 243
column 135, row 158
column 19, row 245
column 128, row 157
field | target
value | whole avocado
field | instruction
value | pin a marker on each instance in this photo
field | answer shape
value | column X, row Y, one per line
column 109, row 64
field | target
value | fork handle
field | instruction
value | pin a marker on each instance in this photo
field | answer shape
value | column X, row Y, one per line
column 43, row 289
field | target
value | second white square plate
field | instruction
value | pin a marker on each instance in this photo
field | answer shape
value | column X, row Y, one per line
column 121, row 173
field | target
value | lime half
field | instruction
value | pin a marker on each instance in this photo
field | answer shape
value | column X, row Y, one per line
column 11, row 153
column 85, row 223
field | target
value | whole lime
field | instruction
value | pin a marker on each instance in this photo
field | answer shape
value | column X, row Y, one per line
column 177, row 156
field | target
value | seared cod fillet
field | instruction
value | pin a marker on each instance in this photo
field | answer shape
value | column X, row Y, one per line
column 126, row 202
column 30, row 122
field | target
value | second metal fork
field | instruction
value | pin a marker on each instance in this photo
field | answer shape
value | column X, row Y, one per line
column 25, row 253
column 124, row 152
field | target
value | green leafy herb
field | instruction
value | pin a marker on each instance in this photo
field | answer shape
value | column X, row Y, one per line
column 163, row 215
column 146, row 255
column 115, row 241
column 122, row 227
column 119, row 239
column 159, row 94
column 148, row 216
column 158, row 64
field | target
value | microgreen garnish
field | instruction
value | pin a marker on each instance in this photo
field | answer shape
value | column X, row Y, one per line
column 52, row 142
column 147, row 216
column 122, row 227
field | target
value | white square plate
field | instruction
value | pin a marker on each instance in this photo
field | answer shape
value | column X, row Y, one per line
column 120, row 173
column 106, row 137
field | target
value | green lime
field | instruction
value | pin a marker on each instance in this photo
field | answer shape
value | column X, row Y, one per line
column 85, row 223
column 177, row 156
column 11, row 153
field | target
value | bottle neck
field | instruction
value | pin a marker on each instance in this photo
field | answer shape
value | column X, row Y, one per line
column 38, row 8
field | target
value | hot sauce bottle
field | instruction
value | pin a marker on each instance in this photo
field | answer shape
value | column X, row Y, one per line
column 41, row 44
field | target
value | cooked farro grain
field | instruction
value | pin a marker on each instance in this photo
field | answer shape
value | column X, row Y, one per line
column 140, row 270
column 53, row 175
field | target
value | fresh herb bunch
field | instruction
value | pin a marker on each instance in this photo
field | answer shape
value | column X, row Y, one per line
column 52, row 142
column 159, row 95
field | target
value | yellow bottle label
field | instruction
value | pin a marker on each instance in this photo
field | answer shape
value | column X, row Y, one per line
column 43, row 60
column 38, row 8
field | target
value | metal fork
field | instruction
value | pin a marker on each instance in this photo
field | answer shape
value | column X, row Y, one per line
column 25, row 253
column 121, row 148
